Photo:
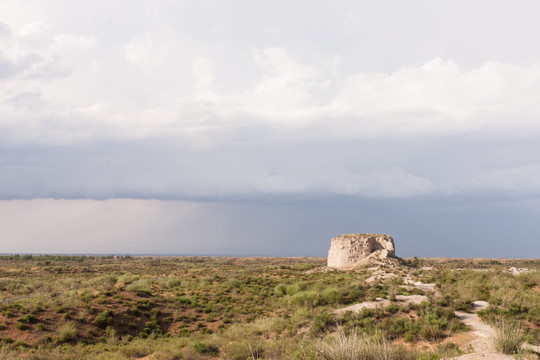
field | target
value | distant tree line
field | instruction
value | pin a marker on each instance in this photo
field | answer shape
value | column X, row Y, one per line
column 75, row 258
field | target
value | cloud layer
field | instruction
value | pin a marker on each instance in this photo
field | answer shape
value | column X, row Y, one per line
column 144, row 107
column 245, row 127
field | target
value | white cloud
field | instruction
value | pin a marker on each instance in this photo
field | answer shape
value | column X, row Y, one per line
column 68, row 42
column 438, row 99
column 286, row 106
column 286, row 89
column 259, row 115
column 4, row 30
column 336, row 62
column 36, row 53
column 34, row 29
column 146, row 49
column 514, row 180
column 202, row 71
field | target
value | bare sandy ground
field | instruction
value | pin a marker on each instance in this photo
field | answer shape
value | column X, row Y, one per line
column 483, row 333
column 401, row 299
column 486, row 356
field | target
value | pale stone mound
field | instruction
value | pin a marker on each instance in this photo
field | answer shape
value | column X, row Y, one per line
column 348, row 251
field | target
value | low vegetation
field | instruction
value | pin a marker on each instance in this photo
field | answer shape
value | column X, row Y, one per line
column 509, row 336
column 85, row 307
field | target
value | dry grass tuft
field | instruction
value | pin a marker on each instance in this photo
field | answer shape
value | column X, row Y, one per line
column 353, row 346
column 67, row 332
column 508, row 336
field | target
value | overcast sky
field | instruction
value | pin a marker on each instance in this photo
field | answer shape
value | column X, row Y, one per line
column 266, row 128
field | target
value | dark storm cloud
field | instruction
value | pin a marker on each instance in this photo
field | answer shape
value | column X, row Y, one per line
column 167, row 169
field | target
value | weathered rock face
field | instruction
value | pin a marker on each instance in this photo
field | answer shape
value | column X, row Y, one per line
column 346, row 251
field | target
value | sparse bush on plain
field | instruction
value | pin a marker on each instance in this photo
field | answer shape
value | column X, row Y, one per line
column 331, row 295
column 305, row 298
column 104, row 319
column 244, row 308
column 67, row 333
column 140, row 286
column 508, row 336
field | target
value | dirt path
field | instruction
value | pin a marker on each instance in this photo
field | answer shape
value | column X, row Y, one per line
column 484, row 334
column 479, row 339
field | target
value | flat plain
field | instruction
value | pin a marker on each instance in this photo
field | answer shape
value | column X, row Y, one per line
column 123, row 307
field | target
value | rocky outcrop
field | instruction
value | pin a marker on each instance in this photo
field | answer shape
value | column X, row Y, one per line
column 347, row 251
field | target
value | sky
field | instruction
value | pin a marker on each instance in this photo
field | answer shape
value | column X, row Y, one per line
column 268, row 127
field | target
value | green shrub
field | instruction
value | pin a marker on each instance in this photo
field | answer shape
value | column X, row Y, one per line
column 140, row 287
column 128, row 278
column 305, row 298
column 203, row 348
column 104, row 319
column 29, row 318
column 296, row 287
column 448, row 350
column 67, row 333
column 172, row 283
column 331, row 296
column 431, row 331
column 352, row 294
column 322, row 322
column 461, row 304
column 280, row 290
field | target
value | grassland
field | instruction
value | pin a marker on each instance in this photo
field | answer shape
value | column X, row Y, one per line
column 78, row 307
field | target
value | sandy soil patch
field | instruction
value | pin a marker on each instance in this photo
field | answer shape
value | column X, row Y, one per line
column 484, row 356
column 424, row 287
column 410, row 283
column 364, row 305
column 401, row 299
column 534, row 348
column 484, row 334
column 516, row 271
column 379, row 275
